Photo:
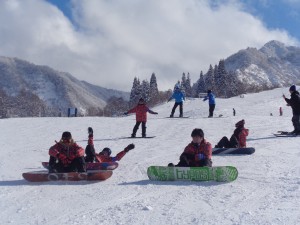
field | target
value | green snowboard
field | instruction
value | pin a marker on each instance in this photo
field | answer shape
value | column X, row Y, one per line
column 218, row 173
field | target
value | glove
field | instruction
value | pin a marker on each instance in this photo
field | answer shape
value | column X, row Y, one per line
column 155, row 113
column 90, row 131
column 64, row 159
column 199, row 156
column 125, row 113
column 129, row 147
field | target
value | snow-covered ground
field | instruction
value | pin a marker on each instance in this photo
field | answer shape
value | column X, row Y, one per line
column 266, row 191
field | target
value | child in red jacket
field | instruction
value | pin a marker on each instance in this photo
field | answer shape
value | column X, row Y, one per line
column 66, row 156
column 104, row 155
column 198, row 153
column 141, row 116
column 238, row 138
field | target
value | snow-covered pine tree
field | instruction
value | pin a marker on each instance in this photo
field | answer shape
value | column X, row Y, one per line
column 188, row 87
column 145, row 90
column 183, row 82
column 201, row 87
column 232, row 84
column 136, row 92
column 209, row 78
column 154, row 93
column 221, row 79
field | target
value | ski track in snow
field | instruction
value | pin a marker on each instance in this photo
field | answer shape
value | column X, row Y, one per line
column 266, row 191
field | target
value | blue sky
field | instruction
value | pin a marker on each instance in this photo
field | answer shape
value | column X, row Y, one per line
column 108, row 43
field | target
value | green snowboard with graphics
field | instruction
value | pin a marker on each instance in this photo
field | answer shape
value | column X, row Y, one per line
column 217, row 173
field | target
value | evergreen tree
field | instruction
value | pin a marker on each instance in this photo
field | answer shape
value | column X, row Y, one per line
column 183, row 82
column 201, row 87
column 221, row 79
column 154, row 94
column 145, row 90
column 188, row 87
column 209, row 78
column 136, row 92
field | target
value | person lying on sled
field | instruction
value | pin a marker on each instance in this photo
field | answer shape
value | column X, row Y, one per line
column 105, row 154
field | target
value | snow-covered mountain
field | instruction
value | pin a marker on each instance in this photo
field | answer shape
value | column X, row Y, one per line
column 274, row 65
column 58, row 90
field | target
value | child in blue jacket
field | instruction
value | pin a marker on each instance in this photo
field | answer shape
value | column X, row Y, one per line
column 179, row 98
column 211, row 102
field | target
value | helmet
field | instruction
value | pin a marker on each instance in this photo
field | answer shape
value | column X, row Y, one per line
column 106, row 150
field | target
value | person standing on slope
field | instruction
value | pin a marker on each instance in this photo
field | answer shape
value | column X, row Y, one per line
column 198, row 153
column 211, row 102
column 238, row 138
column 179, row 98
column 66, row 156
column 104, row 155
column 141, row 116
column 294, row 102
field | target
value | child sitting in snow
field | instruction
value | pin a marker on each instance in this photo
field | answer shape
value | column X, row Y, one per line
column 104, row 155
column 198, row 153
column 238, row 138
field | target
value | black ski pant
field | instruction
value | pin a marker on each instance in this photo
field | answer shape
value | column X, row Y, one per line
column 136, row 127
column 77, row 165
column 187, row 160
column 211, row 110
column 225, row 143
column 296, row 122
column 180, row 104
column 90, row 153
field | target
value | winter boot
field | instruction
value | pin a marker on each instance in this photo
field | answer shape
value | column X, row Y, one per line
column 133, row 135
column 171, row 165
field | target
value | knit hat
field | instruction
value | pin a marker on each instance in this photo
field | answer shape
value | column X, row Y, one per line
column 208, row 91
column 241, row 123
column 293, row 88
column 106, row 150
column 197, row 132
column 66, row 135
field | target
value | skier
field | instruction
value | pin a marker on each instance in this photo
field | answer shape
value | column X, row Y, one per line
column 294, row 102
column 141, row 116
column 179, row 98
column 233, row 112
column 238, row 138
column 66, row 156
column 211, row 101
column 198, row 153
column 104, row 155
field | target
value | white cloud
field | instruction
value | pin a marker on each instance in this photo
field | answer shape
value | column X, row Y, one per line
column 113, row 41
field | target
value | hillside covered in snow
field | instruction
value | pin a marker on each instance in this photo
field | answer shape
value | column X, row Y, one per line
column 266, row 191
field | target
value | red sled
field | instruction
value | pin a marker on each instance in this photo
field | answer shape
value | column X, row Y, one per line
column 42, row 176
column 93, row 166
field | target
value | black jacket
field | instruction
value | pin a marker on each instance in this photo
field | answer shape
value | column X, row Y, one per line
column 294, row 102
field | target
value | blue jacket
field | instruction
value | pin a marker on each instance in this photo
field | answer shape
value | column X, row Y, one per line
column 211, row 99
column 178, row 96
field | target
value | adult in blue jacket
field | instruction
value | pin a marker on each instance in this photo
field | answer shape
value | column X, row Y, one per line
column 179, row 98
column 211, row 102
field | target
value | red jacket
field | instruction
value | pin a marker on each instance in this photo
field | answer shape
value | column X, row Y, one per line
column 204, row 148
column 71, row 151
column 242, row 138
column 103, row 158
column 141, row 112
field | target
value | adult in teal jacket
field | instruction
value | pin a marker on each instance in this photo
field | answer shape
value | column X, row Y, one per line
column 211, row 102
column 179, row 98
